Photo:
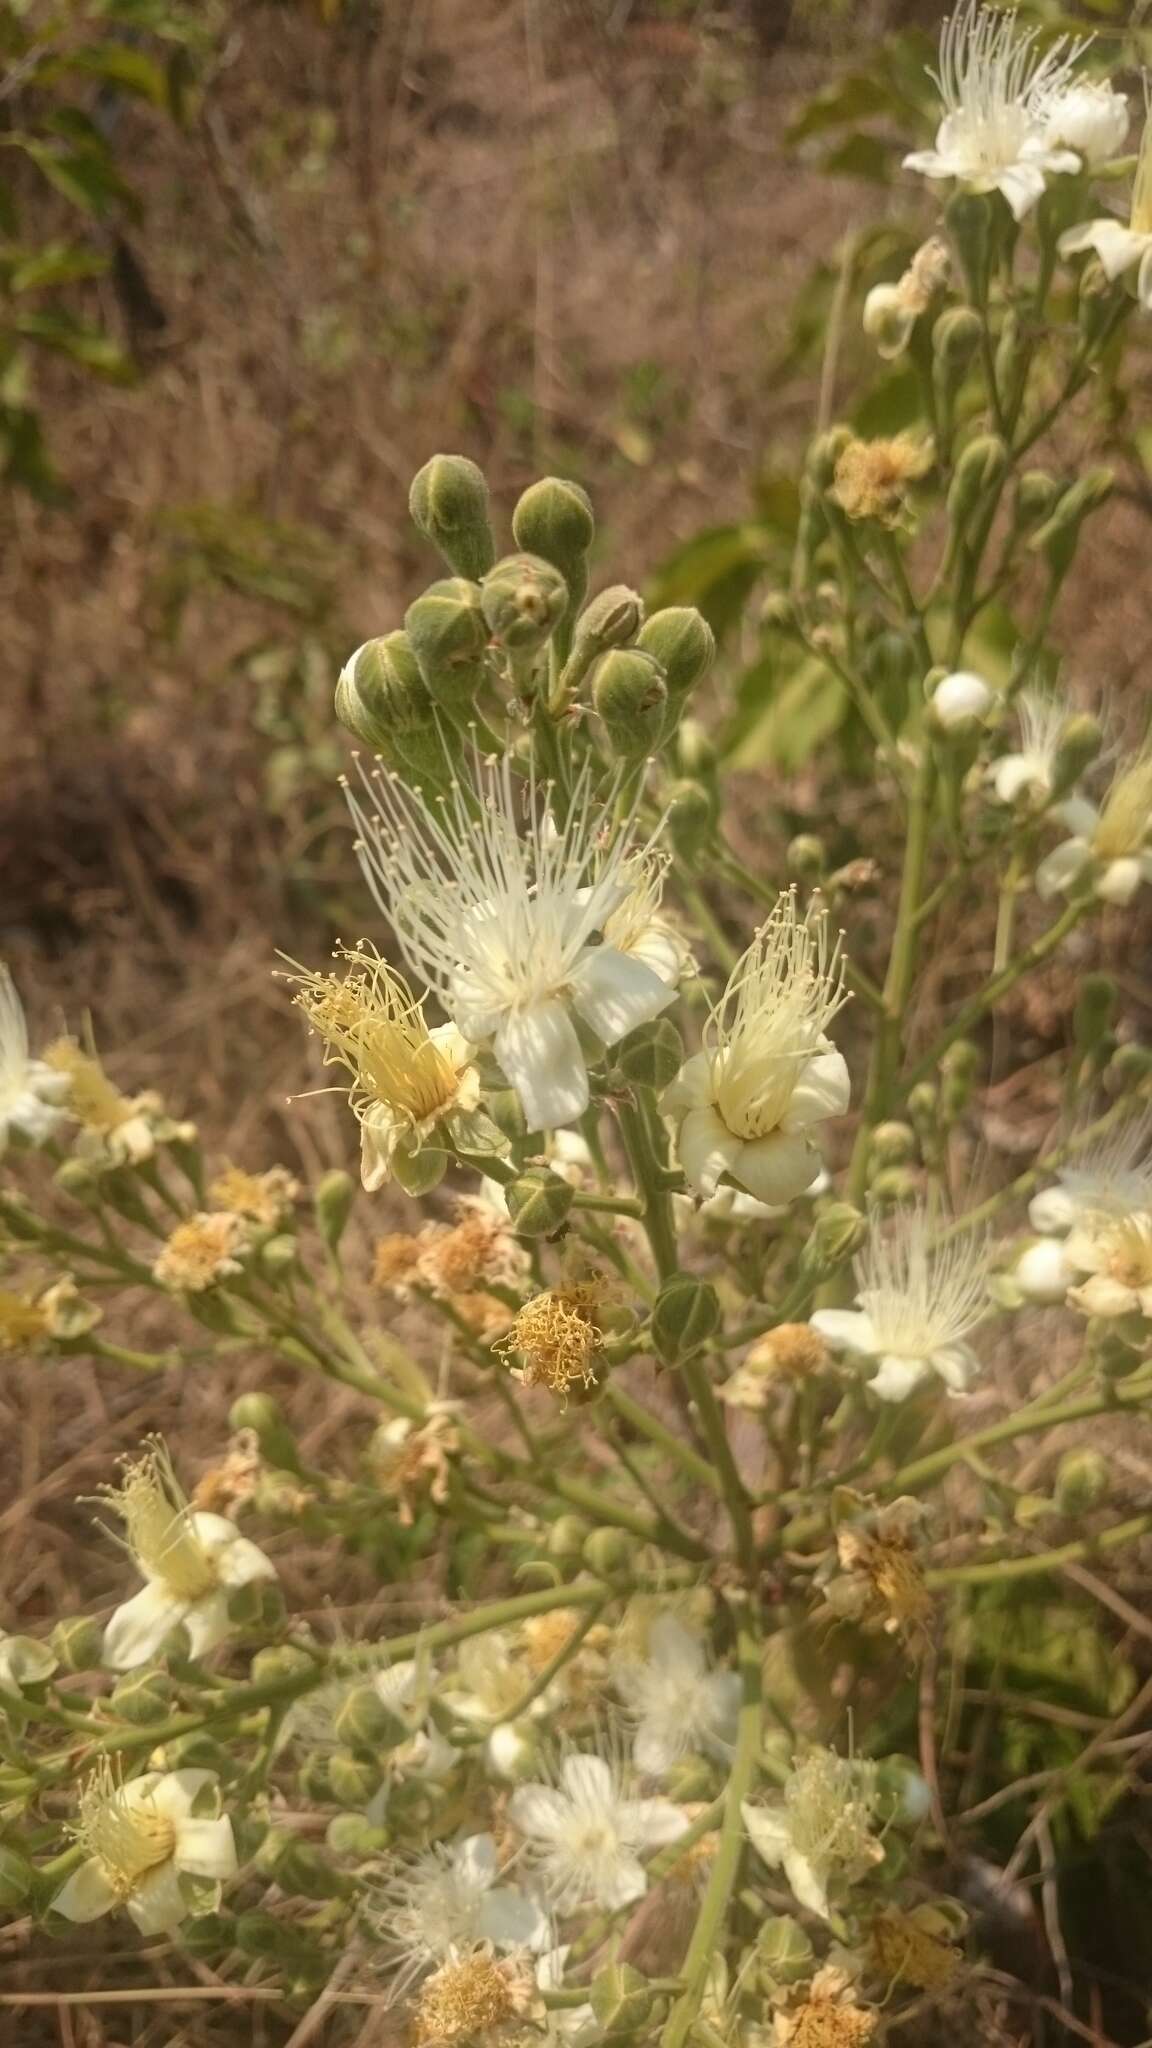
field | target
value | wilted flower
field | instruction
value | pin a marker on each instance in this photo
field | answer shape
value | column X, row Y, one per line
column 820, row 1831
column 1116, row 1254
column 557, row 1336
column 434, row 1908
column 405, row 1077
column 883, row 1578
column 826, row 2015
column 678, row 1703
column 201, row 1251
column 918, row 1301
column 24, row 1661
column 1108, row 848
column 1123, row 249
column 916, row 1947
column 192, row 1561
column 586, row 1836
column 504, row 911
column 116, row 1130
column 32, row 1322
column 31, row 1091
column 142, row 1841
column 746, row 1104
column 790, row 1352
column 872, row 478
column 472, row 2000
column 892, row 310
column 264, row 1199
column 1002, row 98
column 477, row 1251
column 412, row 1461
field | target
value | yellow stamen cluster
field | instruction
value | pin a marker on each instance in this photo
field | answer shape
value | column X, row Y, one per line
column 547, row 1634
column 158, row 1525
column 893, row 1572
column 913, row 1948
column 201, row 1251
column 127, row 1839
column 372, row 1024
column 92, row 1098
column 794, row 1349
column 261, row 1198
column 556, row 1339
column 872, row 477
column 828, row 2023
column 457, row 1260
column 395, row 1260
column 1122, row 828
column 23, row 1323
column 464, row 1999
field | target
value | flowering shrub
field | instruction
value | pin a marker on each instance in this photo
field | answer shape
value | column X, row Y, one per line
column 714, row 1321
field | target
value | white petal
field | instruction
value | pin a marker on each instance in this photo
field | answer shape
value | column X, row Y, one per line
column 1119, row 880
column 896, row 1377
column 1052, row 1212
column 663, row 950
column 846, row 1329
column 1144, row 279
column 1080, row 816
column 475, row 1859
column 809, row 1884
column 175, row 1792
column 1022, row 185
column 397, row 1685
column 206, row 1848
column 157, row 1903
column 676, row 1647
column 1118, row 248
column 86, row 1895
column 706, row 1149
column 768, row 1832
column 650, row 1823
column 138, row 1627
column 655, row 1749
column 540, row 1054
column 241, row 1562
column 512, row 1920
column 614, row 992
column 539, row 1811
column 692, row 1088
column 1043, row 1272
column 777, row 1169
column 930, row 163
column 824, row 1089
column 957, row 1366
column 627, row 1882
column 379, row 1134
column 208, row 1623
column 1063, row 866
column 1101, row 1296
column 1014, row 775
column 588, row 1779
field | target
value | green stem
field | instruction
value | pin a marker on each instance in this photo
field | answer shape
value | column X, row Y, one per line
column 642, row 1419
column 1043, row 1560
column 1038, row 1415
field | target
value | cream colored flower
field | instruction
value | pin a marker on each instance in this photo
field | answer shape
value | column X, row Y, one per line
column 586, row 1835
column 31, row 1091
column 116, row 1130
column 745, row 1106
column 873, row 478
column 264, row 1199
column 826, row 2014
column 678, row 1702
column 412, row 1461
column 820, row 1831
column 144, row 1841
column 191, row 1561
column 1123, row 250
column 1111, row 1176
column 1109, row 849
column 919, row 1299
column 1026, row 776
column 202, row 1251
column 1090, row 117
column 882, row 1576
column 434, row 1908
column 790, row 1352
column 1116, row 1254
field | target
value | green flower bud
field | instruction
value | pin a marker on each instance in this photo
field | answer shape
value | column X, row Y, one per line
column 259, row 1934
column 332, row 1200
column 315, row 1782
column 17, row 1878
column 278, row 1662
column 1095, row 1008
column 980, row 465
column 778, row 613
column 1096, row 303
column 652, row 1055
column 968, row 218
column 890, row 661
column 1082, row 1482
column 629, row 694
column 449, row 636
column 1080, row 742
column 263, row 1415
column 1057, row 539
column 523, row 598
column 691, row 818
column 354, row 1779
column 567, row 1536
column 195, row 1752
column 690, row 1778
column 554, row 519
column 78, row 1179
column 686, row 1313
column 783, row 1952
column 504, row 1108
column 1008, row 351
column 893, row 1143
column 420, row 1171
column 695, row 749
column 1131, row 1065
column 349, row 1834
column 258, row 1605
column 449, row 504
column 806, row 857
column 823, row 455
column 381, row 694
column 955, row 338
column 607, row 1552
column 892, row 1184
column 1036, row 493
column 142, row 1696
column 682, row 643
column 838, row 1232
column 621, row 1999
column 279, row 1254
column 923, row 1104
column 363, row 1722
column 77, row 1642
column 539, row 1202
column 613, row 619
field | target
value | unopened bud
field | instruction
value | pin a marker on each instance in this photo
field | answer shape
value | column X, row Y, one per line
column 837, row 1233
column 449, row 504
column 893, row 1143
column 523, row 598
column 349, row 1834
column 142, row 1696
column 807, row 857
column 923, row 1102
column 381, row 694
column 824, row 453
column 419, row 1171
column 354, row 1779
column 279, row 1662
column 978, row 469
column 567, row 1536
column 554, row 519
column 263, row 1415
column 78, row 1179
column 1041, row 1275
column 960, row 703
column 449, row 636
column 892, row 1184
column 621, row 1999
column 1131, row 1065
column 1080, row 742
column 77, row 1642
column 783, row 1952
column 629, row 694
column 1058, row 537
column 608, row 1552
column 332, row 1200
column 612, row 619
column 686, row 1313
column 1036, row 493
column 539, row 1202
column 890, row 660
column 279, row 1254
column 363, row 1722
column 691, row 819
column 955, row 339
column 682, row 643
column 778, row 613
column 968, row 220
column 1082, row 1482
column 307, row 1873
column 652, row 1055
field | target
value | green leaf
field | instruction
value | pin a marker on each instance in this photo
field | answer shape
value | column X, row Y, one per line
column 803, row 709
column 95, row 350
column 88, row 180
column 858, row 96
column 55, row 263
column 128, row 68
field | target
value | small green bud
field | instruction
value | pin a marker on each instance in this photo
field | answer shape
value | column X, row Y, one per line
column 279, row 1254
column 807, row 857
column 608, row 1552
column 195, row 1751
column 783, row 1952
column 1131, row 1065
column 208, row 1934
column 652, row 1055
column 621, row 1999
column 17, row 1878
column 260, row 1934
column 258, row 1605
column 1008, row 350
column 778, row 613
column 315, row 1782
column 420, row 1171
column 567, row 1536
column 968, row 218
column 554, row 519
column 1095, row 1008
column 279, row 1661
column 77, row 1179
column 332, row 1200
column 823, row 455
column 381, row 694
column 923, row 1104
column 838, row 1231
column 1036, row 493
column 629, row 694
column 349, row 1834
column 613, row 619
column 1096, row 303
column 77, row 1642
column 363, row 1722
column 449, row 504
column 142, row 1696
column 686, row 1313
column 259, row 1412
column 980, row 465
column 892, row 1184
column 695, row 748
column 524, row 599
column 890, row 661
column 539, row 1202
column 955, row 339
column 893, row 1143
column 1057, row 539
column 449, row 636
column 1080, row 742
column 1082, row 1482
column 682, row 643
column 690, row 1778
column 354, row 1779
column 691, row 817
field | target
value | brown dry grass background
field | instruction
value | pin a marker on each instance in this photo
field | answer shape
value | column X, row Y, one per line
column 557, row 235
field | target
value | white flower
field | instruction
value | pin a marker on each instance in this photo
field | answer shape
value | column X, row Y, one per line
column 504, row 914
column 1116, row 1254
column 961, row 700
column 1043, row 1273
column 30, row 1090
column 1089, row 117
column 821, row 1829
column 405, row 1689
column 142, row 1840
column 998, row 91
column 1123, row 249
column 1029, row 772
column 1109, row 847
column 433, row 1908
column 192, row 1561
column 1110, row 1177
column 679, row 1705
column 892, row 310
column 587, row 1837
column 638, row 927
column 918, row 1302
column 491, row 1679
column 745, row 1105
column 24, row 1661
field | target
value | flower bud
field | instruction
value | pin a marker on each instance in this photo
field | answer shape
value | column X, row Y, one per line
column 960, row 702
column 923, row 1103
column 612, row 619
column 278, row 1662
column 652, row 1055
column 778, row 613
column 449, row 504
column 892, row 1184
column 1036, row 493
column 783, row 1952
column 380, row 693
column 263, row 1415
column 420, row 1171
column 449, row 636
column 354, row 1779
column 837, row 1233
column 968, row 218
column 1041, row 1274
column 261, row 1934
column 332, row 1200
column 621, row 1999
column 893, row 1143
column 349, row 1834
column 1057, row 539
column 1082, row 1482
column 554, row 519
column 17, row 1877
column 890, row 660
column 607, row 1552
column 695, row 748
column 682, row 643
column 523, row 599
column 823, row 455
column 363, row 1722
column 142, row 1696
column 807, row 857
column 629, row 694
column 279, row 1254
column 258, row 1605
column 1131, row 1065
column 686, row 1313
column 567, row 1536
column 306, row 1871
column 79, row 1180
column 688, row 1779
column 1080, row 742
column 77, row 1642
column 539, row 1202
column 955, row 338
column 1095, row 1007
column 980, row 466
column 691, row 818
column 512, row 1751
column 314, row 1780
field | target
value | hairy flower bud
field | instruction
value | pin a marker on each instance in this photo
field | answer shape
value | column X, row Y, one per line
column 686, row 1313
column 1057, row 539
column 363, row 1722
column 629, row 694
column 332, row 1200
column 523, row 599
column 449, row 504
column 449, row 636
column 612, row 619
column 608, row 1552
column 691, row 817
column 554, row 519
column 621, row 1999
column 539, row 1202
column 76, row 1642
column 956, row 337
column 980, row 466
column 567, row 1536
column 1082, row 1482
column 652, row 1055
column 1036, row 493
column 264, row 1416
column 783, row 1952
column 893, row 1143
column 682, row 643
column 143, row 1696
column 837, row 1233
column 381, row 694
column 279, row 1661
column 807, row 857
column 354, row 1778
column 349, row 1834
column 823, row 455
column 1080, row 742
